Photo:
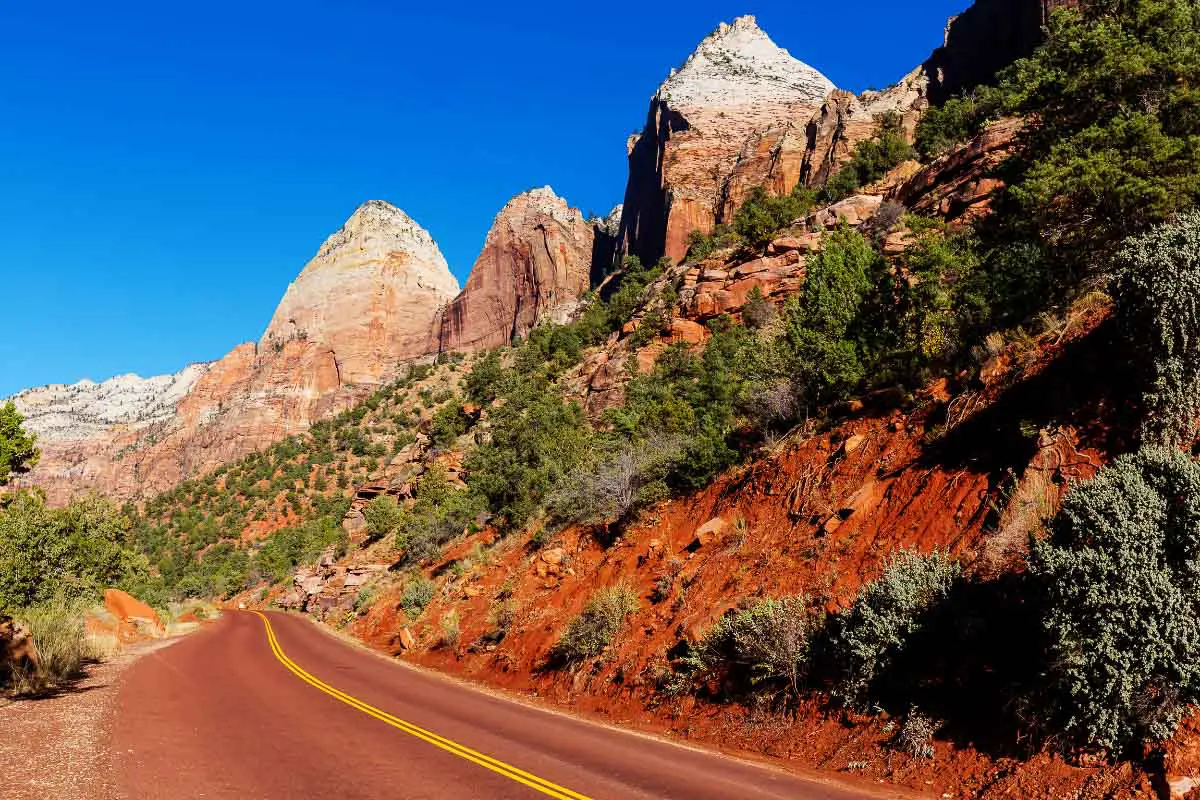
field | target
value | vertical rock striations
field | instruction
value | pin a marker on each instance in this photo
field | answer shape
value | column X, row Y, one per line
column 536, row 264
column 735, row 86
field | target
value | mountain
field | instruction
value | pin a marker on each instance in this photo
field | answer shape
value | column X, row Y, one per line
column 363, row 306
column 369, row 295
column 735, row 85
column 536, row 264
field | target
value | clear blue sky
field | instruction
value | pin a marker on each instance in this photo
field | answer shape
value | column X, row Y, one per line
column 167, row 168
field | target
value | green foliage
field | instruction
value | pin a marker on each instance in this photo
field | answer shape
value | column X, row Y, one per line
column 1122, row 596
column 630, row 291
column 418, row 592
column 1158, row 305
column 955, row 121
column 17, row 451
column 597, row 625
column 762, row 215
column 1113, row 101
column 758, row 311
column 766, row 643
column 57, row 630
column 449, row 423
column 701, row 246
column 888, row 612
column 871, row 160
column 441, row 512
column 383, row 516
column 284, row 550
column 73, row 552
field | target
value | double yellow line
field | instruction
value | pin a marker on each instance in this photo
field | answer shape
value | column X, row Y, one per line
column 487, row 762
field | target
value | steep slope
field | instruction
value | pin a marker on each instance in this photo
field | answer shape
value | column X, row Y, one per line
column 736, row 84
column 535, row 264
column 363, row 306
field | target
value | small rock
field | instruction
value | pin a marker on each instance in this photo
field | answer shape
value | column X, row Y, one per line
column 852, row 443
column 708, row 532
column 554, row 555
column 405, row 639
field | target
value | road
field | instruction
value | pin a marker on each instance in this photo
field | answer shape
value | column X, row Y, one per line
column 269, row 706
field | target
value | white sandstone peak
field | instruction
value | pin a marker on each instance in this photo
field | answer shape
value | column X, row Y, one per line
column 737, row 65
column 61, row 412
column 541, row 200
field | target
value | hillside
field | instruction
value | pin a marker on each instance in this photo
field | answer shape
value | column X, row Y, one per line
column 865, row 440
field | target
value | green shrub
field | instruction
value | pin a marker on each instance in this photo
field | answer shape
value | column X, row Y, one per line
column 762, row 215
column 594, row 629
column 766, row 643
column 17, row 450
column 57, row 630
column 1158, row 306
column 383, row 516
column 954, row 122
column 418, row 592
column 870, row 635
column 1121, row 589
column 871, row 160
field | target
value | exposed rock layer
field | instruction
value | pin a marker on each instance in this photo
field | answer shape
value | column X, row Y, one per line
column 535, row 264
column 736, row 84
column 361, row 308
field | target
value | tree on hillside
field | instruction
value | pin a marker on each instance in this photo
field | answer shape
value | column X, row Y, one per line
column 1113, row 103
column 17, row 451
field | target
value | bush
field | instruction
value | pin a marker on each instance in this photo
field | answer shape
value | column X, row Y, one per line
column 383, row 516
column 872, row 159
column 915, row 736
column 870, row 635
column 56, row 628
column 17, row 451
column 762, row 215
column 956, row 121
column 1158, row 307
column 758, row 311
column 766, row 643
column 595, row 628
column 1122, row 600
column 418, row 592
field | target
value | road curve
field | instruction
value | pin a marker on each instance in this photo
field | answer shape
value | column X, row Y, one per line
column 269, row 706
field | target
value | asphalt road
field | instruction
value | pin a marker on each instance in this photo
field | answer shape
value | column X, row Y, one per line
column 272, row 707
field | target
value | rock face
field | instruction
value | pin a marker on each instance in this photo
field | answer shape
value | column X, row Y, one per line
column 359, row 310
column 87, row 408
column 985, row 39
column 535, row 264
column 372, row 290
column 737, row 85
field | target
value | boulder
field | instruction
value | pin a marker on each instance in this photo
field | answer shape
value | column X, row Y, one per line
column 707, row 533
column 16, row 645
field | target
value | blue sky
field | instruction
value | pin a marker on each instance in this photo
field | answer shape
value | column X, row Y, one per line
column 167, row 168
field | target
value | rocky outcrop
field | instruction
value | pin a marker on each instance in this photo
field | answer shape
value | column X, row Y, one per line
column 535, row 265
column 959, row 185
column 359, row 310
column 369, row 296
column 983, row 40
column 77, row 411
column 706, row 118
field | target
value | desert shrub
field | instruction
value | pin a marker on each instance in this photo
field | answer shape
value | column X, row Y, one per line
column 701, row 245
column 871, row 160
column 597, row 625
column 57, row 630
column 1118, row 573
column 762, row 214
column 944, row 127
column 417, row 593
column 1158, row 306
column 383, row 516
column 766, row 643
column 915, row 736
column 441, row 512
column 868, row 637
column 451, row 629
column 758, row 311
column 449, row 422
column 617, row 482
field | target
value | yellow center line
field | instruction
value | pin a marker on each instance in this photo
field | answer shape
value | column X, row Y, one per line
column 487, row 762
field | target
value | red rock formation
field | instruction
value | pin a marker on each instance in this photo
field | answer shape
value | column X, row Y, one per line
column 702, row 121
column 358, row 311
column 535, row 264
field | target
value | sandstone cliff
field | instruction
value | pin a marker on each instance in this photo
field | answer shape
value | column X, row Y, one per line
column 736, row 85
column 362, row 307
column 535, row 265
column 370, row 294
